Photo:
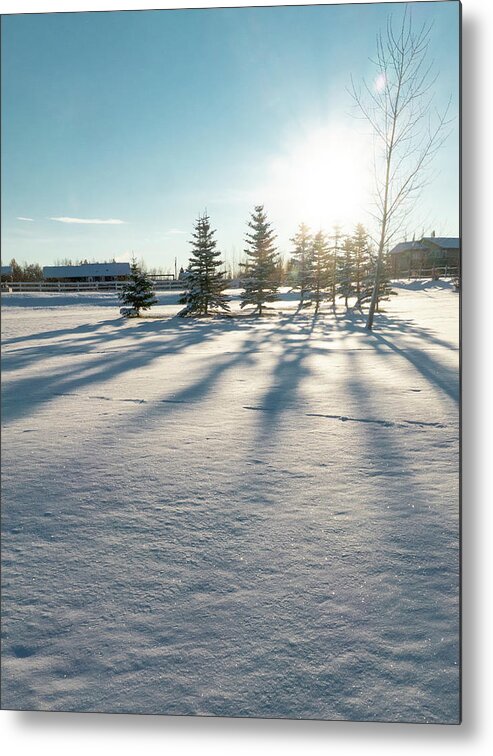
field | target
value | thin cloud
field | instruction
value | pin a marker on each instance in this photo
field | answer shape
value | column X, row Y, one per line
column 175, row 231
column 90, row 221
column 125, row 257
column 22, row 218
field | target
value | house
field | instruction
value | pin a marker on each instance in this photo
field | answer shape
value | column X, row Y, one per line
column 88, row 272
column 429, row 255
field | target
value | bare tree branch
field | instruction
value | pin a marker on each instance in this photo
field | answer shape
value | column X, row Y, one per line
column 408, row 133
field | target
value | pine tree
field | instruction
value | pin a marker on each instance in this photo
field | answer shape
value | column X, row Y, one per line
column 321, row 267
column 16, row 270
column 137, row 293
column 280, row 271
column 346, row 272
column 203, row 280
column 334, row 256
column 302, row 264
column 385, row 290
column 361, row 257
column 291, row 274
column 259, row 281
column 32, row 272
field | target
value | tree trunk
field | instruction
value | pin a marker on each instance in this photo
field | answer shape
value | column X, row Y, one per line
column 376, row 286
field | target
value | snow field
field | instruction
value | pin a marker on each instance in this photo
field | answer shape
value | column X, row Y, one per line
column 244, row 517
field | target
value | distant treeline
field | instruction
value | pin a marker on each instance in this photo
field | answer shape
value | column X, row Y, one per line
column 349, row 251
column 26, row 271
column 34, row 271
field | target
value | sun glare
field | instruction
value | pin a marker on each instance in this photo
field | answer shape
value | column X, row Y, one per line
column 380, row 82
column 323, row 179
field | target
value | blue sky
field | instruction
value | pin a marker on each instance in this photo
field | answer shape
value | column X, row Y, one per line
column 147, row 118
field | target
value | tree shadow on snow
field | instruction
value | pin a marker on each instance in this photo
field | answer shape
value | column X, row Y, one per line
column 20, row 397
column 289, row 339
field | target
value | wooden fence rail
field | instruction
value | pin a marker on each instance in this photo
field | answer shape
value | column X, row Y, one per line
column 446, row 271
column 167, row 285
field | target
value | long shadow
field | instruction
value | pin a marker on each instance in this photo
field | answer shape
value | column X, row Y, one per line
column 20, row 397
column 125, row 329
column 203, row 384
column 415, row 531
column 434, row 371
column 23, row 395
column 446, row 379
column 354, row 321
column 398, row 617
column 61, row 332
column 422, row 284
column 287, row 376
column 290, row 368
column 409, row 327
column 85, row 339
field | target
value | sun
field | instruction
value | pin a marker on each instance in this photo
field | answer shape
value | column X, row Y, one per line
column 323, row 178
column 380, row 82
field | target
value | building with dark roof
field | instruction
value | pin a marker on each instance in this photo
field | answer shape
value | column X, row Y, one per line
column 88, row 272
column 6, row 272
column 431, row 253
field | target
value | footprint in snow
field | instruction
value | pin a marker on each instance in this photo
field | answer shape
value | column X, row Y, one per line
column 22, row 652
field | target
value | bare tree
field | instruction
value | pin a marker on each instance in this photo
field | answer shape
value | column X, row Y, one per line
column 407, row 130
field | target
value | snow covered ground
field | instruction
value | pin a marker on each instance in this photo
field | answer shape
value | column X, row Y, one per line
column 231, row 517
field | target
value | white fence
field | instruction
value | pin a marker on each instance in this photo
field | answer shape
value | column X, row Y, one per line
column 67, row 286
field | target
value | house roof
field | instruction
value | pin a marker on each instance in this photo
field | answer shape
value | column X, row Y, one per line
column 6, row 270
column 88, row 270
column 444, row 242
column 407, row 247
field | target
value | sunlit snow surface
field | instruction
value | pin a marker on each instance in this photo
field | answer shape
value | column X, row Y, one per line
column 245, row 517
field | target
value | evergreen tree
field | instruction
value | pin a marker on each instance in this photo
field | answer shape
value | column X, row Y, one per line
column 259, row 281
column 32, row 272
column 292, row 274
column 204, row 281
column 346, row 271
column 17, row 274
column 385, row 290
column 302, row 264
column 361, row 257
column 334, row 257
column 279, row 271
column 321, row 261
column 137, row 293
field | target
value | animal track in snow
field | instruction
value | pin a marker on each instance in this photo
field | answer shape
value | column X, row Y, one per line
column 375, row 421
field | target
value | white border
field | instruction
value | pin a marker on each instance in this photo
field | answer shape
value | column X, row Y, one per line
column 48, row 733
